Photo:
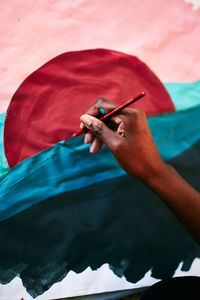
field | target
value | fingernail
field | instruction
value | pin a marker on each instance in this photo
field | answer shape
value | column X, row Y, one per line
column 85, row 119
column 92, row 149
column 102, row 111
column 82, row 126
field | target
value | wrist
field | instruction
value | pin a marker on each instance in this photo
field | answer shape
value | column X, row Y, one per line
column 160, row 177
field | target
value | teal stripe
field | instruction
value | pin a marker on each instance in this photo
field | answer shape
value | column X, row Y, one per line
column 184, row 95
column 176, row 132
column 3, row 161
column 69, row 165
column 63, row 167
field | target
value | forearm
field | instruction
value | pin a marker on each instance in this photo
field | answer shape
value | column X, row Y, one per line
column 180, row 197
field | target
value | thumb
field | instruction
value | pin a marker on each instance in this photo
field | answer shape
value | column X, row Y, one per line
column 99, row 129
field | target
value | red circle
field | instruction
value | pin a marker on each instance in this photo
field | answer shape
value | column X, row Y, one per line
column 47, row 106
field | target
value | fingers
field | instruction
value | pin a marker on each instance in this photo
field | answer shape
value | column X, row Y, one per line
column 122, row 125
column 100, row 108
column 93, row 111
column 100, row 131
column 88, row 138
column 96, row 146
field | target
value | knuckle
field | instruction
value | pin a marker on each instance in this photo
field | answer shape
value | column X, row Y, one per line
column 100, row 101
column 129, row 111
column 93, row 111
column 138, row 113
column 98, row 128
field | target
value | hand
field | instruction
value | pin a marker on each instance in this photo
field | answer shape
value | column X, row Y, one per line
column 135, row 150
column 132, row 144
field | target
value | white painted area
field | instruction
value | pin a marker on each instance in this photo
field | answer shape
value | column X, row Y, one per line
column 194, row 270
column 88, row 282
column 196, row 3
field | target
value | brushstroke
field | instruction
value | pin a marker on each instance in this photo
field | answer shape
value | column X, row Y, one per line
column 3, row 161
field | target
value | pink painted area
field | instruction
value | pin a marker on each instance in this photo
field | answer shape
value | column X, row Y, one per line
column 164, row 34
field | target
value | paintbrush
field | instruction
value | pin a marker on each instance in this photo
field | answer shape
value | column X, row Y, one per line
column 112, row 113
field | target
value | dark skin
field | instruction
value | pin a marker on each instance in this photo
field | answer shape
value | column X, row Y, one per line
column 136, row 152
